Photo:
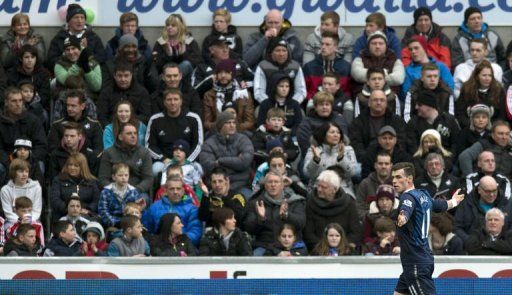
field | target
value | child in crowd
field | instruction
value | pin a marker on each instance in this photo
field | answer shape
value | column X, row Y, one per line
column 287, row 244
column 132, row 243
column 74, row 207
column 23, row 150
column 387, row 242
column 64, row 241
column 333, row 243
column 376, row 80
column 385, row 204
column 115, row 196
column 94, row 240
column 23, row 209
column 441, row 238
column 32, row 101
column 24, row 244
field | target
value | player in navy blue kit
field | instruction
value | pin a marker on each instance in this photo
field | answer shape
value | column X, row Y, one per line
column 415, row 208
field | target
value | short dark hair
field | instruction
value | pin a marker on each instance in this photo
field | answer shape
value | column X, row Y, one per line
column 220, row 215
column 30, row 49
column 320, row 134
column 171, row 65
column 22, row 202
column 384, row 224
column 72, row 126
column 172, row 91
column 498, row 123
column 73, row 198
column 123, row 67
column 219, row 171
column 378, row 18
column 443, row 222
column 373, row 70
column 277, row 155
column 429, row 67
column 124, row 125
column 333, row 36
column 128, row 17
column 482, row 41
column 24, row 228
column 333, row 75
column 332, row 15
column 76, row 93
column 382, row 154
column 60, row 227
column 406, row 166
column 128, row 221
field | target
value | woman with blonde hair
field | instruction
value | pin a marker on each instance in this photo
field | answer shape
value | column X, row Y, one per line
column 177, row 45
column 430, row 142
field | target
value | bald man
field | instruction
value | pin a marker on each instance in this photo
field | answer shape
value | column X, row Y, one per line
column 274, row 25
column 470, row 215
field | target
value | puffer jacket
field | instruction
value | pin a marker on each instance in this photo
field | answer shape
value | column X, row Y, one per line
column 439, row 45
column 62, row 188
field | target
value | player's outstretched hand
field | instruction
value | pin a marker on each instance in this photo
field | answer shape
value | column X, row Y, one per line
column 458, row 196
column 402, row 219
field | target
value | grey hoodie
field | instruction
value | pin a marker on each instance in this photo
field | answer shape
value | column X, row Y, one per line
column 10, row 192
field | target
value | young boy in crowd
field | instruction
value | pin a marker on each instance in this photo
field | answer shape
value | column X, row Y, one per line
column 376, row 80
column 24, row 244
column 94, row 240
column 32, row 101
column 115, row 196
column 74, row 206
column 387, row 242
column 64, row 241
column 23, row 209
column 132, row 243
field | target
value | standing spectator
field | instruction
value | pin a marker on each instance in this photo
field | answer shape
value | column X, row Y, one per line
column 75, row 19
column 438, row 44
column 222, row 26
column 273, row 26
column 329, row 22
column 492, row 239
column 170, row 239
column 473, row 27
column 123, row 113
column 19, row 35
column 377, row 22
column 128, row 24
column 441, row 238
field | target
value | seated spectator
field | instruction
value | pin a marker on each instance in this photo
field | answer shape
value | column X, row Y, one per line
column 329, row 22
column 225, row 238
column 227, row 93
column 24, row 243
column 278, row 59
column 385, row 204
column 74, row 178
column 481, row 88
column 236, row 159
column 2, row 236
column 128, row 24
column 221, row 196
column 170, row 239
column 327, row 61
column 130, row 209
column 126, row 150
column 343, row 104
column 377, row 22
column 329, row 203
column 76, row 61
column 376, row 80
column 287, row 243
column 479, row 127
column 175, row 201
column 222, row 27
column 94, row 240
column 378, row 54
column 20, row 185
column 23, row 151
column 429, row 116
column 438, row 44
column 333, row 243
column 470, row 216
column 115, row 196
column 499, row 143
column 64, row 241
column 177, row 45
column 441, row 238
column 367, row 189
column 73, row 83
column 170, row 125
column 274, row 26
column 29, row 67
column 492, row 239
column 270, row 210
column 417, row 45
column 486, row 165
column 123, row 113
column 322, row 112
column 74, row 215
column 280, row 92
column 19, row 35
column 32, row 102
column 76, row 104
column 429, row 80
column 75, row 19
column 124, row 87
column 386, row 243
column 437, row 179
column 72, row 142
column 507, row 75
column 330, row 148
column 23, row 209
column 365, row 128
column 274, row 129
column 473, row 27
column 132, row 243
column 430, row 142
column 478, row 49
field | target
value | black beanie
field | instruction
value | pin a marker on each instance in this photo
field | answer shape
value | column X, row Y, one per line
column 469, row 12
column 420, row 12
column 428, row 98
column 74, row 9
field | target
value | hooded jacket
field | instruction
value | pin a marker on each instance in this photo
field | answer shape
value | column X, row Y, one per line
column 9, row 193
column 113, row 44
column 12, row 248
column 314, row 42
column 101, row 245
column 444, row 95
column 439, row 45
column 254, row 49
column 393, row 43
column 231, row 35
column 314, row 71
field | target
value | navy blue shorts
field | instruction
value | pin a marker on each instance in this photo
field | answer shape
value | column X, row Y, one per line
column 416, row 279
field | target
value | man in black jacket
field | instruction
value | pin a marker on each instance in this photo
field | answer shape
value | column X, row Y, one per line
column 436, row 180
column 492, row 239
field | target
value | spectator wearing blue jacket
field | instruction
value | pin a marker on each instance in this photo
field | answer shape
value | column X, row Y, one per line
column 417, row 45
column 377, row 22
column 175, row 201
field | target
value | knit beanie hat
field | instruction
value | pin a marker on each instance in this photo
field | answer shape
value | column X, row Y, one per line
column 226, row 65
column 432, row 132
column 222, row 118
column 72, row 41
column 273, row 143
column 74, row 9
column 422, row 40
column 428, row 98
column 420, row 12
column 274, row 42
column 377, row 34
column 128, row 39
column 469, row 12
column 183, row 145
column 386, row 191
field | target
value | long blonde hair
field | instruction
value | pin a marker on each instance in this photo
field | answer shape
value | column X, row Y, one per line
column 177, row 20
column 420, row 152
